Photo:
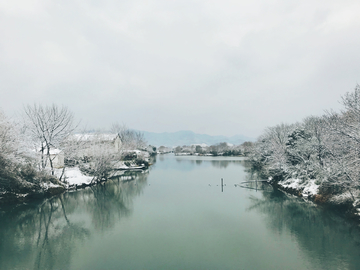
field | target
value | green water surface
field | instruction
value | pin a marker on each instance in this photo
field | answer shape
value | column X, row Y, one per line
column 177, row 216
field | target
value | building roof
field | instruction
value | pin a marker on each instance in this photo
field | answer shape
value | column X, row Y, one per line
column 95, row 136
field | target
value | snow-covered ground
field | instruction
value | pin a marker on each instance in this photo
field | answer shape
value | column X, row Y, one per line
column 308, row 188
column 74, row 177
column 47, row 185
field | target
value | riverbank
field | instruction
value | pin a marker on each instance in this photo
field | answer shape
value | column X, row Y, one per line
column 311, row 191
column 73, row 179
column 316, row 158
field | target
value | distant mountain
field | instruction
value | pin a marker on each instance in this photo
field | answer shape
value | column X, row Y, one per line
column 186, row 137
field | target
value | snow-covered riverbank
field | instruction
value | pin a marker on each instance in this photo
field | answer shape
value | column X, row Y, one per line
column 309, row 190
column 72, row 178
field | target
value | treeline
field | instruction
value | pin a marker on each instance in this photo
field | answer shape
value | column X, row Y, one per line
column 220, row 149
column 325, row 150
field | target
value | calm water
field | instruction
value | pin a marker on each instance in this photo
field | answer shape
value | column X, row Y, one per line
column 176, row 217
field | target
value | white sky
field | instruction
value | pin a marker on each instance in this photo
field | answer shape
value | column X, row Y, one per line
column 217, row 67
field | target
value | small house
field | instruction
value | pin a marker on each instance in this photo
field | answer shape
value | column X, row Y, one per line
column 89, row 144
column 57, row 157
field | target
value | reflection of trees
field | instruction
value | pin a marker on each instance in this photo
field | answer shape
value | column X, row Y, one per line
column 323, row 235
column 45, row 235
column 252, row 173
column 42, row 236
column 258, row 186
column 222, row 164
column 152, row 159
column 55, row 237
column 112, row 200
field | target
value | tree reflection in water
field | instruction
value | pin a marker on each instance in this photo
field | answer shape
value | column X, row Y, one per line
column 322, row 234
column 47, row 234
column 201, row 161
column 113, row 199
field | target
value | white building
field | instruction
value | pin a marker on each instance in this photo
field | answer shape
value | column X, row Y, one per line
column 57, row 157
column 90, row 144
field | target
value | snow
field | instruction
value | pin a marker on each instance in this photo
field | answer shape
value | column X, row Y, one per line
column 49, row 185
column 95, row 136
column 53, row 151
column 309, row 188
column 291, row 183
column 341, row 198
column 122, row 166
column 356, row 203
column 74, row 176
column 134, row 151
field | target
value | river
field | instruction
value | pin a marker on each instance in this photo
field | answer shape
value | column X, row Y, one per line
column 177, row 216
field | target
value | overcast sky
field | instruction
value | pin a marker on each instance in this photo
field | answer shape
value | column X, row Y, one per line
column 216, row 67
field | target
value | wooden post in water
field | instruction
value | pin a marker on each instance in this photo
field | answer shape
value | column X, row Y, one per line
column 222, row 185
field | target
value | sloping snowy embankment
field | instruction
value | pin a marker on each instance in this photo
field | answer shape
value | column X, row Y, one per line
column 74, row 177
column 306, row 188
column 310, row 189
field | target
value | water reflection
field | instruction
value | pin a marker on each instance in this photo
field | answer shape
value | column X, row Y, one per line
column 256, row 185
column 39, row 235
column 45, row 235
column 180, row 225
column 205, row 161
column 330, row 241
column 327, row 239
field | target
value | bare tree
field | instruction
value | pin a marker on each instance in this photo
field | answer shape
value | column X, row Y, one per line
column 48, row 127
column 140, row 140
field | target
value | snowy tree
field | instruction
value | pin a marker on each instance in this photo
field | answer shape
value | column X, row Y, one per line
column 198, row 149
column 177, row 149
column 95, row 154
column 7, row 150
column 48, row 127
column 246, row 148
column 325, row 149
column 130, row 139
column 102, row 162
column 277, row 138
column 8, row 139
column 17, row 173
